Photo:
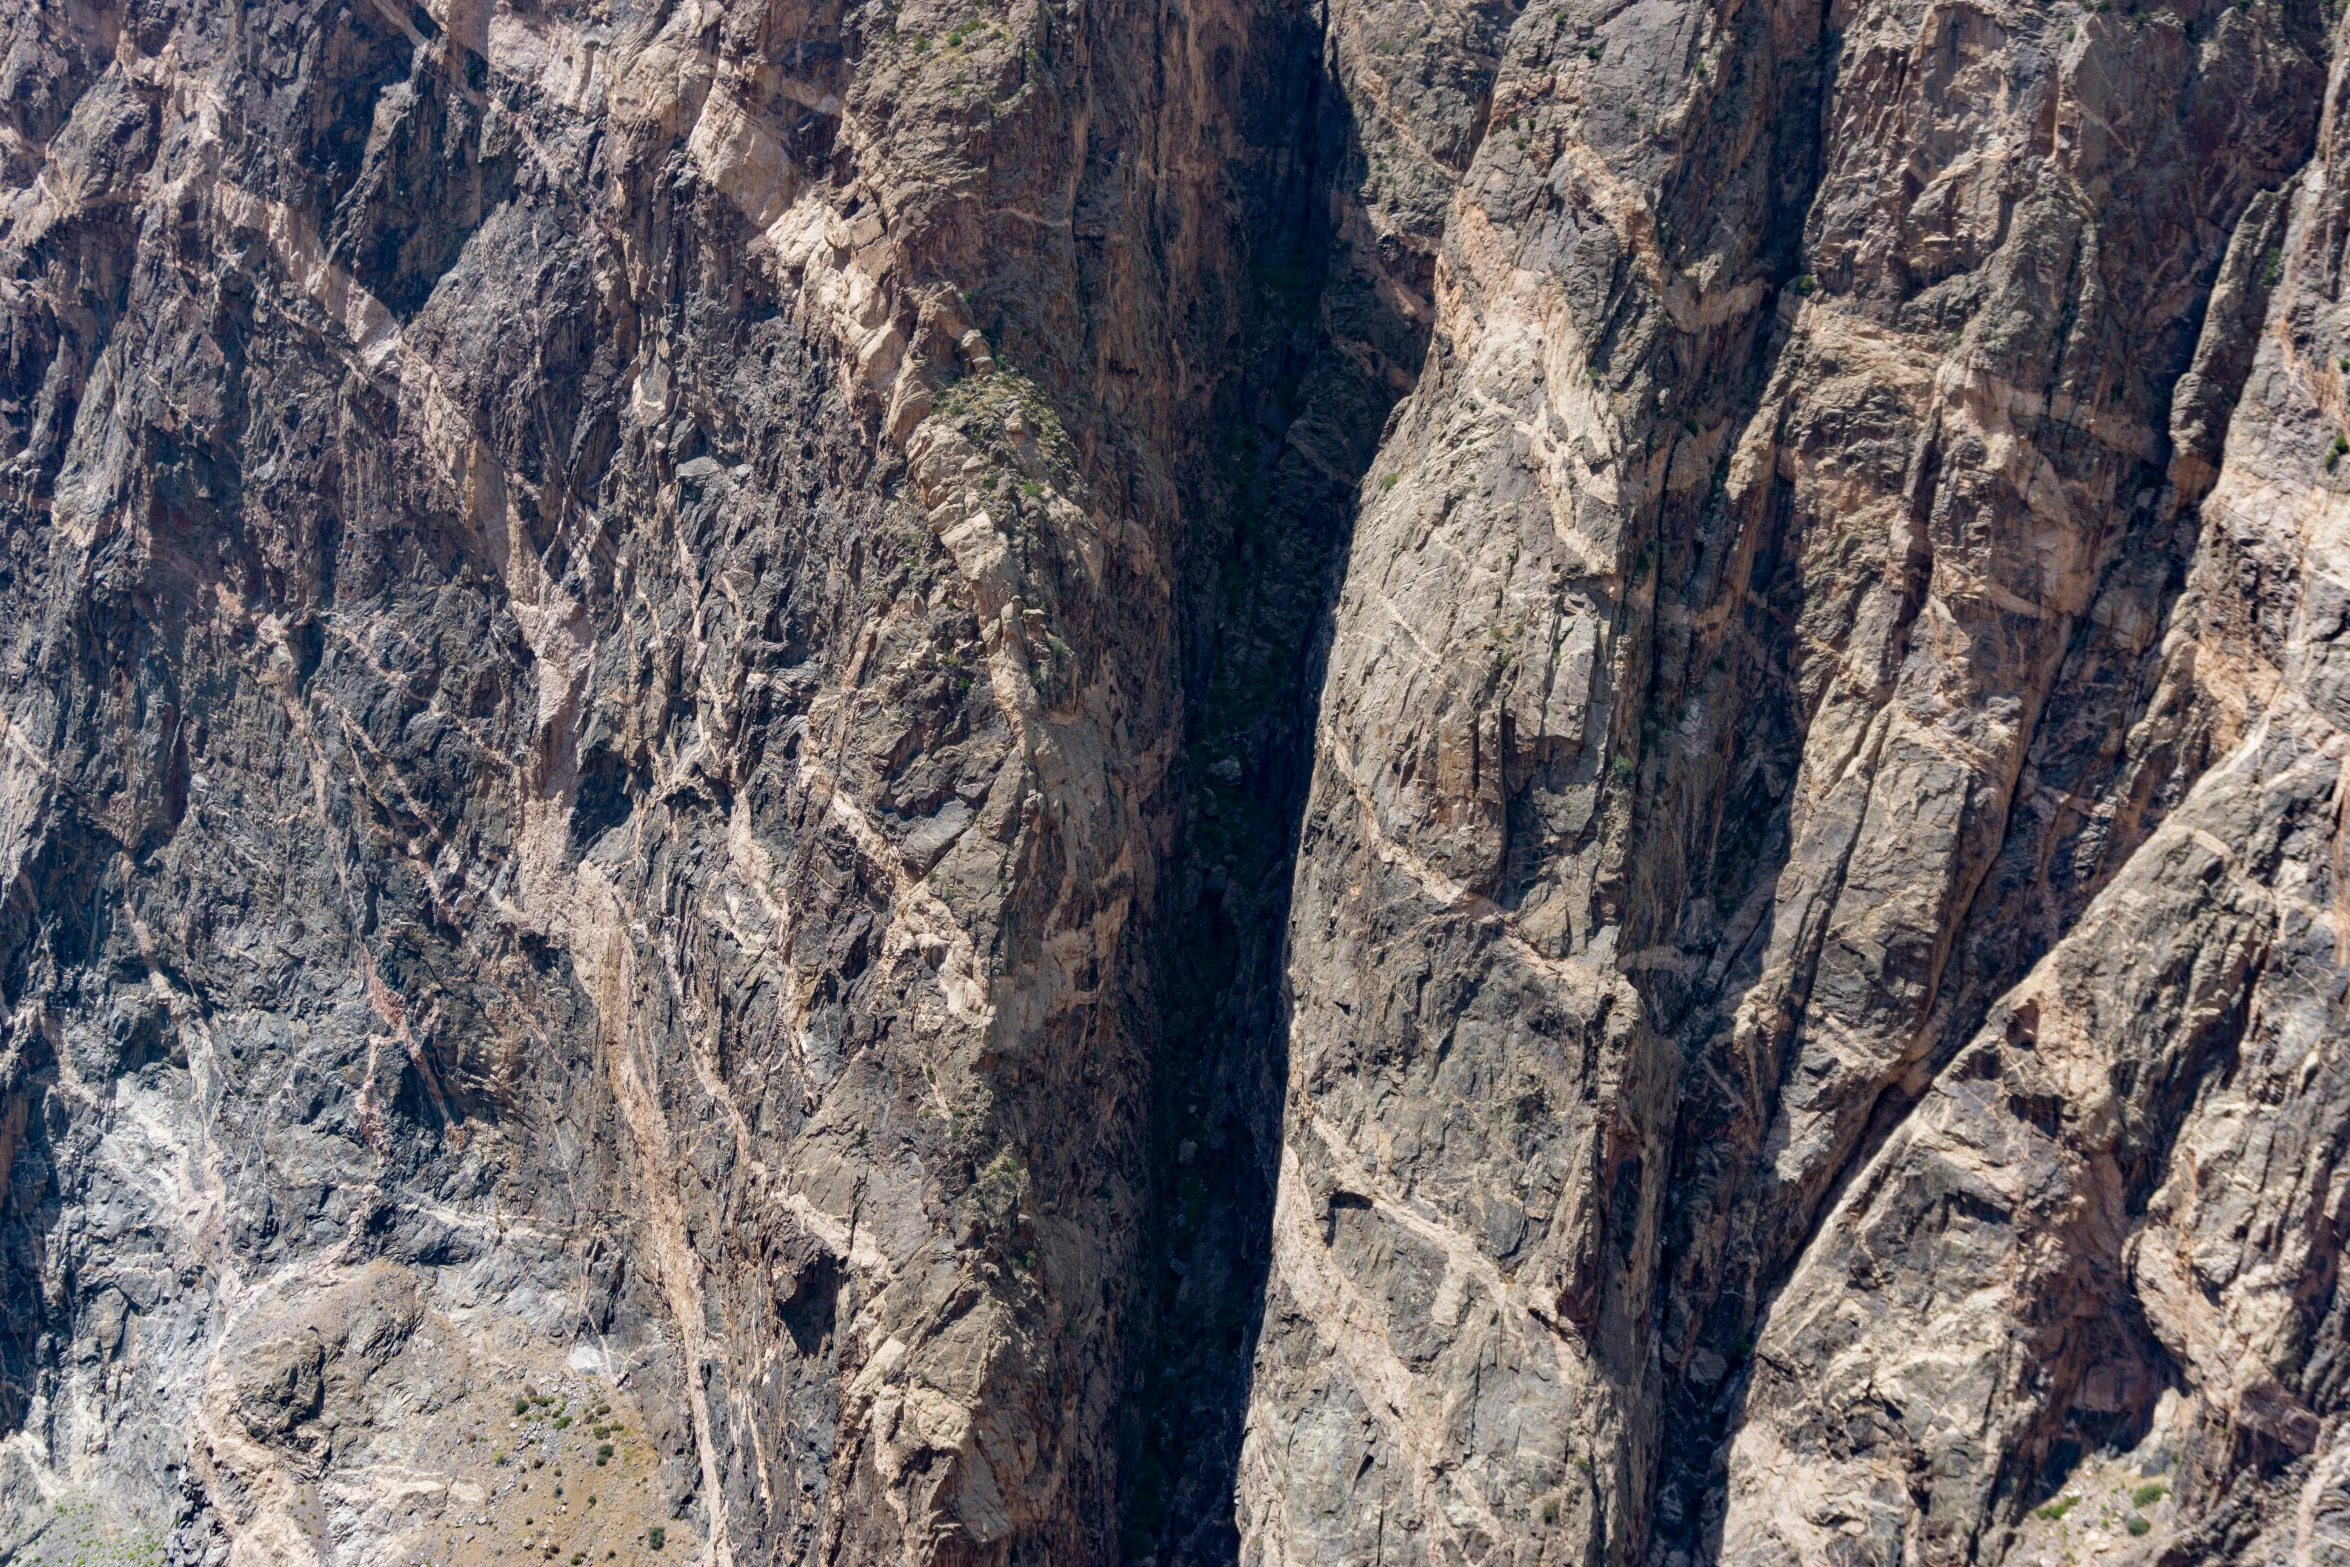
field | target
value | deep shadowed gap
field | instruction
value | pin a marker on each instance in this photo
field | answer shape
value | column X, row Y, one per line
column 1272, row 499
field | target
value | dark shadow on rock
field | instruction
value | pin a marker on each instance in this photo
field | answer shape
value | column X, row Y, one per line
column 1272, row 502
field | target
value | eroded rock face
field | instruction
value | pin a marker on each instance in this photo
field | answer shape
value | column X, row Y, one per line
column 1765, row 669
column 595, row 636
column 925, row 783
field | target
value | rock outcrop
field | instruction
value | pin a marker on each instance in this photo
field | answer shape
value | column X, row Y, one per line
column 1762, row 664
column 974, row 783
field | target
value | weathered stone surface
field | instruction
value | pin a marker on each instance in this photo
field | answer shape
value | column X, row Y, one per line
column 2127, row 1184
column 1019, row 782
column 599, row 720
column 1755, row 664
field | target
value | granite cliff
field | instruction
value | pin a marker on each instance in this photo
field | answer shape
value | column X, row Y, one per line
column 974, row 782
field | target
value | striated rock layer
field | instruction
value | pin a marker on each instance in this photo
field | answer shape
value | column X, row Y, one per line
column 1006, row 782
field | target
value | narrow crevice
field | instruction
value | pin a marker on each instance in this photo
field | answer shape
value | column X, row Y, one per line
column 1271, row 508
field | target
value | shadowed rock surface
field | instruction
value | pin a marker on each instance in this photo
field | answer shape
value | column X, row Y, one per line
column 1189, row 783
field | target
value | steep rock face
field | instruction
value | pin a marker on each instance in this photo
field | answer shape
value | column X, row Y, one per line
column 594, row 605
column 1752, row 660
column 2134, row 1168
column 921, row 782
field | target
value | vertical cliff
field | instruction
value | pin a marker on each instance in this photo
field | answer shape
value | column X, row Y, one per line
column 601, row 609
column 1762, row 665
column 1185, row 782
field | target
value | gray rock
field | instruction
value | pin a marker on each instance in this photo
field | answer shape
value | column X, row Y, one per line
column 1535, row 782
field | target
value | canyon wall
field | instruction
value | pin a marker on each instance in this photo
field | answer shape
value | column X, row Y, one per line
column 1190, row 783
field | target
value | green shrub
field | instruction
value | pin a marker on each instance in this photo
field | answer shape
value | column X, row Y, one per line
column 2052, row 1511
column 656, row 1537
column 2137, row 1525
column 2148, row 1494
column 562, row 1421
column 603, row 1450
